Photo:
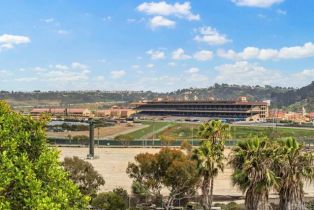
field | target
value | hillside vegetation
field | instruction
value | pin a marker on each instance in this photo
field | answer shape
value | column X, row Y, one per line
column 281, row 97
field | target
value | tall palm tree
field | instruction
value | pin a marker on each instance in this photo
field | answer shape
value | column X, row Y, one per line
column 214, row 130
column 252, row 162
column 294, row 166
column 209, row 156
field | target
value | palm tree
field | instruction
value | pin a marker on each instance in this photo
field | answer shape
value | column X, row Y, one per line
column 214, row 130
column 293, row 166
column 252, row 162
column 209, row 156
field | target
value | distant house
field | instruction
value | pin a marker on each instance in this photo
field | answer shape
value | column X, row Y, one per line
column 52, row 111
column 311, row 115
column 61, row 112
column 78, row 112
column 115, row 112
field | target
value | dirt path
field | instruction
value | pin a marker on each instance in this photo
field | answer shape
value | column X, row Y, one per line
column 112, row 163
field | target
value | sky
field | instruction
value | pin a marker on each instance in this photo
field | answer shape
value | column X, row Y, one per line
column 154, row 45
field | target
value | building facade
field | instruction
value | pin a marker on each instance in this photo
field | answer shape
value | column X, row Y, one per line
column 237, row 110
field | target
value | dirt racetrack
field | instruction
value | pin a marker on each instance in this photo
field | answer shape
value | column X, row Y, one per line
column 112, row 163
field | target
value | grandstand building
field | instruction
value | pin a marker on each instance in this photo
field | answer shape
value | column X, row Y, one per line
column 237, row 110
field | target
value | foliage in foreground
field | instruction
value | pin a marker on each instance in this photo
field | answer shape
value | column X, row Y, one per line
column 84, row 175
column 170, row 168
column 112, row 200
column 31, row 176
column 260, row 165
column 209, row 157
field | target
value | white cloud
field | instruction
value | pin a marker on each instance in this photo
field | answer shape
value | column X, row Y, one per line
column 135, row 66
column 63, row 32
column 58, row 66
column 172, row 64
column 303, row 77
column 150, row 65
column 295, row 52
column 100, row 78
column 107, row 19
column 26, row 79
column 160, row 21
column 243, row 72
column 281, row 12
column 59, row 73
column 211, row 36
column 256, row 3
column 180, row 55
column 48, row 20
column 8, row 41
column 117, row 74
column 192, row 70
column 203, row 55
column 76, row 65
column 156, row 54
column 102, row 60
column 164, row 9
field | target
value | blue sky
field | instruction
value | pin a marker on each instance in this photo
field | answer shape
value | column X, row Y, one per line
column 154, row 45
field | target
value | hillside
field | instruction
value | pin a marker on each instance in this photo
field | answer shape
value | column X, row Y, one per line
column 281, row 97
column 295, row 99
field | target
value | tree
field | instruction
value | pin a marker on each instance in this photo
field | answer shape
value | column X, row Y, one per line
column 215, row 130
column 209, row 156
column 293, row 166
column 109, row 201
column 166, row 140
column 31, row 176
column 185, row 145
column 124, row 139
column 170, row 168
column 252, row 163
column 82, row 139
column 84, row 175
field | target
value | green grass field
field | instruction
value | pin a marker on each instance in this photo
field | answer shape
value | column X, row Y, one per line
column 145, row 132
column 189, row 131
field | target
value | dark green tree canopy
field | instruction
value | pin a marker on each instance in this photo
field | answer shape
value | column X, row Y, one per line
column 170, row 168
column 109, row 201
column 84, row 175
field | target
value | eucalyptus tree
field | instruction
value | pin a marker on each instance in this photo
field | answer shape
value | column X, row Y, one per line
column 294, row 166
column 170, row 168
column 252, row 163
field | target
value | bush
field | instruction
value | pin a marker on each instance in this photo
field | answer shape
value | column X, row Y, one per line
column 109, row 201
column 84, row 175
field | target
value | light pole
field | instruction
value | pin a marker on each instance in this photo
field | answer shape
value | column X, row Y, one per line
column 91, row 139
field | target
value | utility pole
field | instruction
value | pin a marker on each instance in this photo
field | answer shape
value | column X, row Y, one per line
column 91, row 139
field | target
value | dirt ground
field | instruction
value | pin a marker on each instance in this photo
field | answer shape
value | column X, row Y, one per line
column 103, row 132
column 111, row 163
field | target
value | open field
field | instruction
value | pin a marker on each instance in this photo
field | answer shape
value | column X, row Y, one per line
column 189, row 131
column 149, row 131
column 102, row 132
column 180, row 130
column 112, row 163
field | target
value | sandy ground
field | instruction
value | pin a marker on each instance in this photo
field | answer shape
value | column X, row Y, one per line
column 103, row 132
column 112, row 163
